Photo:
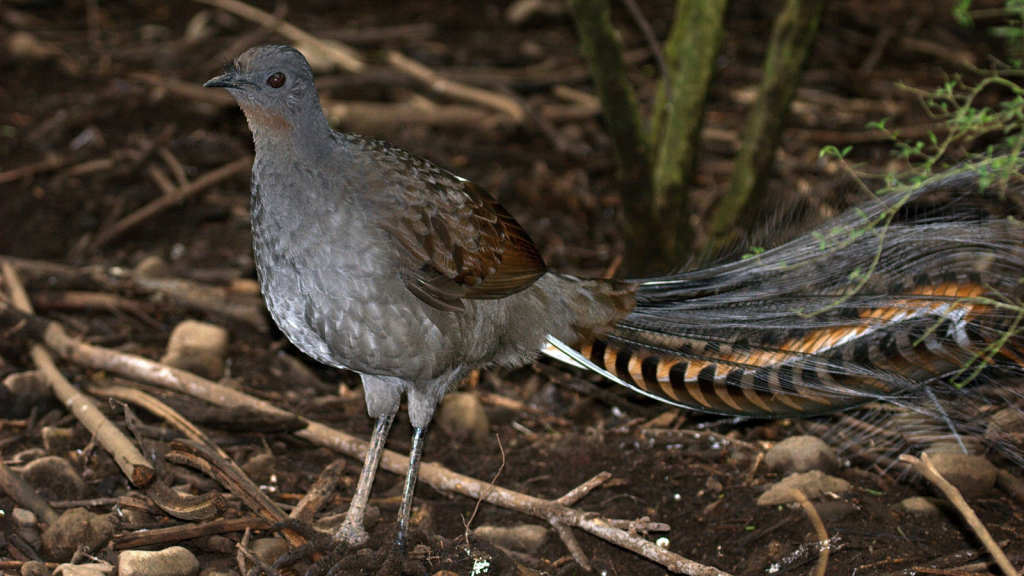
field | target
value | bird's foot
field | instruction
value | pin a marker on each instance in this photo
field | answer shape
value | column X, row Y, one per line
column 328, row 551
column 352, row 533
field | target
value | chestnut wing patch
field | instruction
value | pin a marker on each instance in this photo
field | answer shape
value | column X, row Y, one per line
column 458, row 242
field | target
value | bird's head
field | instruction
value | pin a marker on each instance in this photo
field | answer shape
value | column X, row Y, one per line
column 274, row 87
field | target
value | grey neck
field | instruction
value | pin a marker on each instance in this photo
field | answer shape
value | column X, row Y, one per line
column 308, row 136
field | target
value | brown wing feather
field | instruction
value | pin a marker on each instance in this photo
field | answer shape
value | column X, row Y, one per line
column 458, row 242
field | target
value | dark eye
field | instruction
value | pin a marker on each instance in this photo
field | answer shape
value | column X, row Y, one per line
column 276, row 80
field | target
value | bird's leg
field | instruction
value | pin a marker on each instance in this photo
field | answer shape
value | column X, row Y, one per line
column 351, row 530
column 405, row 509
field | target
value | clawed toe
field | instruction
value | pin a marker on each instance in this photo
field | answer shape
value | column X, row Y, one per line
column 329, row 549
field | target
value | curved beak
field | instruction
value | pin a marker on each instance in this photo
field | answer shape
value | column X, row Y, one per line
column 226, row 80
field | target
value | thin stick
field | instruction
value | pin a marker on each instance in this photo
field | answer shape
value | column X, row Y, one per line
column 24, row 495
column 159, row 409
column 151, row 536
column 819, row 529
column 346, row 57
column 166, row 201
column 576, row 494
column 190, row 90
column 456, row 90
column 47, row 165
column 924, row 466
column 432, row 473
column 125, row 454
column 319, row 493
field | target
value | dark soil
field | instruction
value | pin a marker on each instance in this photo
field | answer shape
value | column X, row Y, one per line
column 84, row 104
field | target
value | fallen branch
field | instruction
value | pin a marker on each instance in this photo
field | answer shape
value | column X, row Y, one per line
column 320, row 493
column 345, row 57
column 151, row 536
column 132, row 463
column 166, row 201
column 351, row 60
column 47, row 165
column 190, row 90
column 157, row 408
column 79, row 300
column 924, row 467
column 416, row 110
column 24, row 495
column 819, row 529
column 456, row 90
column 217, row 300
column 436, row 475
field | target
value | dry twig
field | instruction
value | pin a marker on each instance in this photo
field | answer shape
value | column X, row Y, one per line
column 924, row 466
column 153, row 536
column 47, row 165
column 134, row 465
column 320, row 493
column 436, row 475
column 24, row 495
column 345, row 57
column 457, row 90
column 350, row 59
column 819, row 529
column 166, row 201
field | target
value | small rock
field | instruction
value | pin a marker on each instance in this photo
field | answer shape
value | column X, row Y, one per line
column 28, row 383
column 526, row 537
column 462, row 417
column 27, row 46
column 54, row 478
column 133, row 519
column 198, row 347
column 219, row 544
column 813, row 484
column 90, row 569
column 802, row 454
column 832, row 510
column 28, row 527
column 22, row 391
column 24, row 518
column 34, row 568
column 920, row 506
column 973, row 476
column 173, row 561
column 153, row 267
column 58, row 440
column 260, row 467
column 269, row 549
column 77, row 527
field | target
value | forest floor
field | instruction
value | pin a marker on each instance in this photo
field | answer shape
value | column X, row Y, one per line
column 102, row 102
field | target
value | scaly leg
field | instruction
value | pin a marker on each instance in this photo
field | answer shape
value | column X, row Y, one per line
column 405, row 509
column 351, row 530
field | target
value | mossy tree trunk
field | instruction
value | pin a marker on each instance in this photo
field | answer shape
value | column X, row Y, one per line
column 602, row 48
column 690, row 51
column 788, row 48
column 656, row 164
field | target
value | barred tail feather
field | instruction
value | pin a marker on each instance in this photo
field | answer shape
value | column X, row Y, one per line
column 906, row 299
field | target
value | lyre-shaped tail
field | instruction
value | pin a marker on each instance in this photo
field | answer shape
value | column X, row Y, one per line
column 910, row 290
